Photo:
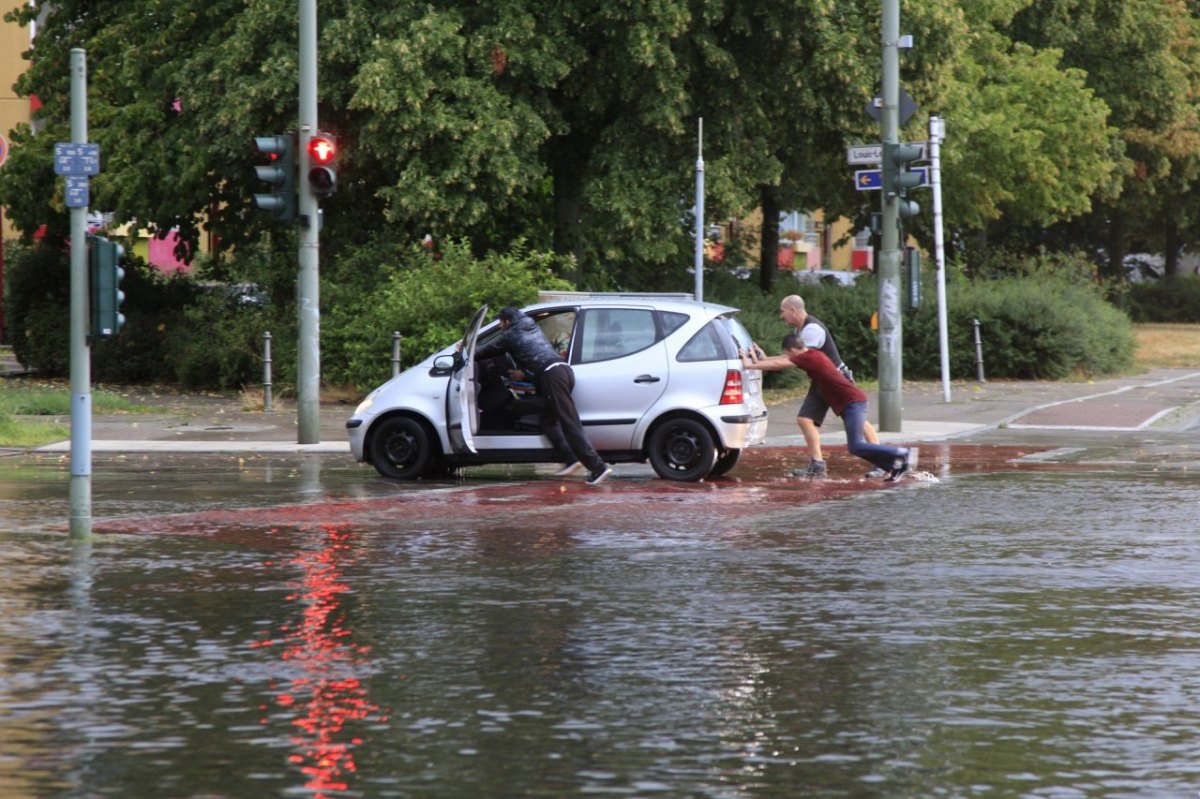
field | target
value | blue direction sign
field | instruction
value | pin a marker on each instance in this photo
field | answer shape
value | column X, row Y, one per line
column 76, row 159
column 872, row 179
column 868, row 179
column 77, row 195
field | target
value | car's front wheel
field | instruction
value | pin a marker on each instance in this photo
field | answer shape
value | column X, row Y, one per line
column 401, row 448
column 683, row 450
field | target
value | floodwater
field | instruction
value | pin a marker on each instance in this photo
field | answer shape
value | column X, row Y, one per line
column 305, row 629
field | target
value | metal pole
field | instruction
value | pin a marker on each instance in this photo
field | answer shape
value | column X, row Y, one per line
column 978, row 352
column 937, row 132
column 268, row 399
column 699, row 261
column 308, row 366
column 81, row 363
column 396, row 352
column 890, row 329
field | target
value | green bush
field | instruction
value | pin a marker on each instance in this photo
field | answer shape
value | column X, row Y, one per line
column 427, row 299
column 38, row 312
column 1033, row 326
column 1173, row 300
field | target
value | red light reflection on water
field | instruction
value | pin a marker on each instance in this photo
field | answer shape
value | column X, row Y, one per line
column 328, row 696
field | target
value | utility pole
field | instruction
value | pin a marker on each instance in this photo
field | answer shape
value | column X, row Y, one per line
column 81, row 357
column 308, row 367
column 890, row 329
column 699, row 259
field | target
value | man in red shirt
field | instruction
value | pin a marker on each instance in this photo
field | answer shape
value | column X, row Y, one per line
column 845, row 399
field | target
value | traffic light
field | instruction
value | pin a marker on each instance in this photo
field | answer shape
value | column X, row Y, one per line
column 322, row 158
column 105, row 260
column 280, row 174
column 899, row 176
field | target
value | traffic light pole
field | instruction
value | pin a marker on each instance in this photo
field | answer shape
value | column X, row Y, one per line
column 81, row 359
column 308, row 367
column 890, row 330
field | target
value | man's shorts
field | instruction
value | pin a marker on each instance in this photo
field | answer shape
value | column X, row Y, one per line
column 814, row 406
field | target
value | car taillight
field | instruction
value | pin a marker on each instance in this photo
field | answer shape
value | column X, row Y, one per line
column 732, row 393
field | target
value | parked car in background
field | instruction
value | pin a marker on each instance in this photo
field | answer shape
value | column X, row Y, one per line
column 658, row 380
column 828, row 277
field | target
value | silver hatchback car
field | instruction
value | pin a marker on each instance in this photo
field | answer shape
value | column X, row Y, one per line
column 657, row 378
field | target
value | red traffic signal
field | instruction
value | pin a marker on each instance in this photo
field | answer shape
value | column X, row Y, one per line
column 322, row 149
column 322, row 155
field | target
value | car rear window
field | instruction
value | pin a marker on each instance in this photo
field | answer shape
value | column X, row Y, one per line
column 719, row 340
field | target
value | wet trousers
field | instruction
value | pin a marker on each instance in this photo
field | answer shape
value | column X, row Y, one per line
column 560, row 418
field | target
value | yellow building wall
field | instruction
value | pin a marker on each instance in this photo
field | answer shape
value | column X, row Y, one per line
column 827, row 254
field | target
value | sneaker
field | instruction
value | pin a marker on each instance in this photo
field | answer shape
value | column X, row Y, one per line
column 914, row 455
column 814, row 469
column 875, row 473
column 599, row 477
column 897, row 471
column 570, row 470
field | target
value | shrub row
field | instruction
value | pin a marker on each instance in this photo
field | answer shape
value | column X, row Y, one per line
column 1036, row 327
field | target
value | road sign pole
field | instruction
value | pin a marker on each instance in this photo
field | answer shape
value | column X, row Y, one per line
column 698, row 261
column 308, row 366
column 890, row 331
column 937, row 131
column 81, row 365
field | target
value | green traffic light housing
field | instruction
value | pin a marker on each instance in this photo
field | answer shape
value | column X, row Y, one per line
column 899, row 176
column 280, row 175
column 105, row 271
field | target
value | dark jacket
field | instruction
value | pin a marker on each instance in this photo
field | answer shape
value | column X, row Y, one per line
column 525, row 342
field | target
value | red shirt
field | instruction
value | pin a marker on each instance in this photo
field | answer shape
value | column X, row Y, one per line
column 832, row 384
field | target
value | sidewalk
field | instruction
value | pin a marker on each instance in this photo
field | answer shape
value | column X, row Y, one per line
column 1165, row 400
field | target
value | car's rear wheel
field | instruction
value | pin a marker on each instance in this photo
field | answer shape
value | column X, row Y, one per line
column 683, row 450
column 725, row 462
column 401, row 448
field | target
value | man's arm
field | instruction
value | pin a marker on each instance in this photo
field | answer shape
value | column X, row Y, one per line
column 765, row 363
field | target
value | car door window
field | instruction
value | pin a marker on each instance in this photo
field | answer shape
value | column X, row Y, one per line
column 607, row 333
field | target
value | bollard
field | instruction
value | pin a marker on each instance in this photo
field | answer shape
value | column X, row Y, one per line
column 268, row 400
column 978, row 352
column 396, row 352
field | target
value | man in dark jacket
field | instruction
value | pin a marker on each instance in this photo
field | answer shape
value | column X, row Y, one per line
column 524, row 341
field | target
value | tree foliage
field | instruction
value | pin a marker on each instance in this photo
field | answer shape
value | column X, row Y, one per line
column 574, row 128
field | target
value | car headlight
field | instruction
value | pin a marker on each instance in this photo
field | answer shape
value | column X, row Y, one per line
column 365, row 404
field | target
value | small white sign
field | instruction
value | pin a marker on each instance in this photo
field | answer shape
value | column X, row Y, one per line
column 865, row 154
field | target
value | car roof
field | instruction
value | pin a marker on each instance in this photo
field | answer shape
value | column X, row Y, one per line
column 682, row 303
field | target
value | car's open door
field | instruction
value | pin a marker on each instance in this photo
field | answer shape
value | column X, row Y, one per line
column 462, row 417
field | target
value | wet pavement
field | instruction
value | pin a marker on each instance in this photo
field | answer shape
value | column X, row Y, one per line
column 260, row 618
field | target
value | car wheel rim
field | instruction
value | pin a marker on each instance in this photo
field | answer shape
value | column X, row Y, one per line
column 683, row 450
column 401, row 448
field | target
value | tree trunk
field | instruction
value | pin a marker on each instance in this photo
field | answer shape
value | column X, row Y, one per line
column 768, row 264
column 1116, row 245
column 567, row 162
column 1171, row 244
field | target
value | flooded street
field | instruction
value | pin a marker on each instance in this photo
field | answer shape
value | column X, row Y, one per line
column 1006, row 626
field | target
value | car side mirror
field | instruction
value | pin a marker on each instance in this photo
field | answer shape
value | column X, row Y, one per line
column 444, row 365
